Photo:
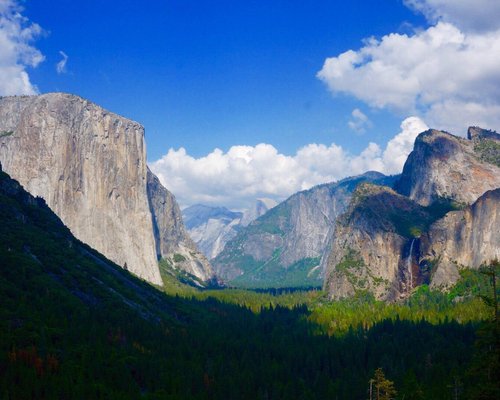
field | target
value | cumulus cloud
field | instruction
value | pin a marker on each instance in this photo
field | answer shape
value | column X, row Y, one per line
column 237, row 177
column 400, row 146
column 61, row 65
column 359, row 122
column 447, row 76
column 477, row 15
column 17, row 53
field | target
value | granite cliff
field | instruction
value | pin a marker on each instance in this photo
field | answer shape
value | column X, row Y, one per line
column 90, row 167
column 375, row 242
column 442, row 165
column 463, row 238
column 445, row 217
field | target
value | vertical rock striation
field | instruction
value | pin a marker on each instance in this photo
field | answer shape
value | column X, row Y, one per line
column 90, row 167
column 468, row 237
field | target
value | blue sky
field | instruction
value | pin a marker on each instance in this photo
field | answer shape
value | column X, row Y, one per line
column 205, row 74
column 298, row 87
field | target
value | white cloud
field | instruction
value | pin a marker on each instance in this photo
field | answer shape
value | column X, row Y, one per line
column 440, row 73
column 400, row 146
column 359, row 122
column 17, row 34
column 477, row 15
column 61, row 65
column 244, row 173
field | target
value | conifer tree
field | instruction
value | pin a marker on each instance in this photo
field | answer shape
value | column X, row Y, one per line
column 382, row 388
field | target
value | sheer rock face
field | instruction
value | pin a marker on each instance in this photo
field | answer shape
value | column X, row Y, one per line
column 469, row 237
column 387, row 243
column 90, row 167
column 172, row 240
column 374, row 251
column 445, row 166
column 291, row 238
column 371, row 249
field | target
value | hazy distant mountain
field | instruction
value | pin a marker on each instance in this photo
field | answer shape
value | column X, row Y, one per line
column 260, row 207
column 212, row 227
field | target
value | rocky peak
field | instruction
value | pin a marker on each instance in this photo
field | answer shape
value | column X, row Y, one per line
column 212, row 227
column 476, row 133
column 444, row 215
column 198, row 214
column 442, row 165
column 260, row 207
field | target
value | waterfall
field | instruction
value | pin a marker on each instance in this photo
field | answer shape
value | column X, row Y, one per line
column 409, row 268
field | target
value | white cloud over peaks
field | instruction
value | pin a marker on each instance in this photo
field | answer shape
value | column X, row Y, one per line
column 477, row 15
column 242, row 174
column 400, row 146
column 61, row 65
column 448, row 77
column 16, row 51
column 359, row 122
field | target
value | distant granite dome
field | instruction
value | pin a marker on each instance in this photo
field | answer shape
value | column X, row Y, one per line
column 199, row 214
column 212, row 227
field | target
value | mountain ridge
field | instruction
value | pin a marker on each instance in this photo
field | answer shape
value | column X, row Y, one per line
column 285, row 246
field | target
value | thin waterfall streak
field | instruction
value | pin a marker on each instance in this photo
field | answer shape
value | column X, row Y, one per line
column 409, row 268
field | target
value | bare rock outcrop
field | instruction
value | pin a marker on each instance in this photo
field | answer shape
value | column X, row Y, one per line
column 90, row 167
column 442, row 165
column 464, row 238
column 445, row 217
column 372, row 250
column 212, row 227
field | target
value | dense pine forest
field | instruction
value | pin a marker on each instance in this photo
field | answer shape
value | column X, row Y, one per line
column 75, row 326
